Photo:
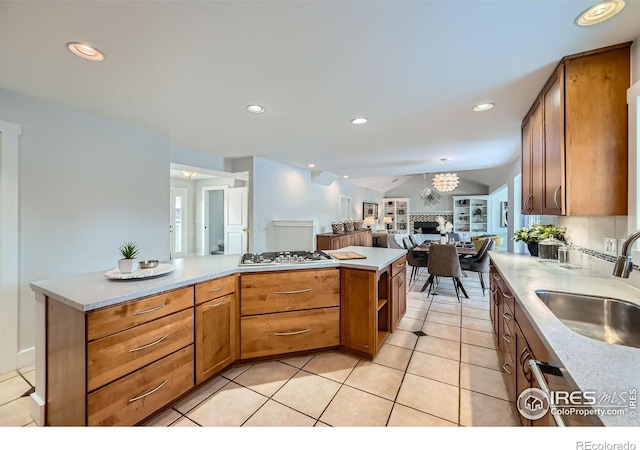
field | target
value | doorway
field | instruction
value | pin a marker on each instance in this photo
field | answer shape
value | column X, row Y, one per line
column 178, row 223
column 214, row 214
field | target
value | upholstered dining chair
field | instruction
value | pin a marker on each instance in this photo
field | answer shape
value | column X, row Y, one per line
column 413, row 239
column 416, row 262
column 443, row 262
column 479, row 262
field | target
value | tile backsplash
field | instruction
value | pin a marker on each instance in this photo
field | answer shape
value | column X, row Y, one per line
column 589, row 233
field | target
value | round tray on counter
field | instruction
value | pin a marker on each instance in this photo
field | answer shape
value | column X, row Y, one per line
column 160, row 269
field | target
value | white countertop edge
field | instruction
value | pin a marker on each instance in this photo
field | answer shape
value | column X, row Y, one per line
column 98, row 291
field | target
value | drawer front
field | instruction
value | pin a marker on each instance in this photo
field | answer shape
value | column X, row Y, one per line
column 289, row 291
column 117, row 318
column 509, row 301
column 215, row 288
column 131, row 399
column 116, row 355
column 398, row 266
column 273, row 334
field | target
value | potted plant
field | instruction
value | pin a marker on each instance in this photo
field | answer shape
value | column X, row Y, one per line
column 128, row 263
column 535, row 233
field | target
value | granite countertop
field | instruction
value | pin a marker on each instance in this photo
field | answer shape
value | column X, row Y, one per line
column 90, row 291
column 591, row 364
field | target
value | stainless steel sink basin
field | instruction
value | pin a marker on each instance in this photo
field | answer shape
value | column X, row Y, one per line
column 605, row 319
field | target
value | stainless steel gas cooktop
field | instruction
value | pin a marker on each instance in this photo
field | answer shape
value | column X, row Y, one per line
column 285, row 257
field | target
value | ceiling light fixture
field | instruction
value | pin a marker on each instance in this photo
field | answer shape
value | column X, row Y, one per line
column 359, row 121
column 256, row 109
column 447, row 181
column 311, row 166
column 187, row 174
column 483, row 107
column 429, row 196
column 599, row 12
column 85, row 51
column 345, row 176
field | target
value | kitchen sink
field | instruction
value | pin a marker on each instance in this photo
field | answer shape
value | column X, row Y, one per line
column 606, row 319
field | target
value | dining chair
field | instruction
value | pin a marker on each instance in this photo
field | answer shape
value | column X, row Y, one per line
column 454, row 236
column 416, row 262
column 413, row 239
column 443, row 262
column 479, row 262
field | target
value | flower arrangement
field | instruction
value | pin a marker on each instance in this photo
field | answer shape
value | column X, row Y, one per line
column 537, row 233
column 443, row 226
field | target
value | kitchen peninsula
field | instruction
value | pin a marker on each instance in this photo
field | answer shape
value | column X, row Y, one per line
column 114, row 352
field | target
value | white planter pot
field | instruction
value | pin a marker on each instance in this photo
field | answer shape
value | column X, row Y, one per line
column 127, row 265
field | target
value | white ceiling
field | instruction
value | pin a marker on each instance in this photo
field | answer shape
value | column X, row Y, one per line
column 414, row 69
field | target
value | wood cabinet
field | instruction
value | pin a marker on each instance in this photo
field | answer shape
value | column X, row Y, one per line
column 517, row 342
column 216, row 326
column 369, row 303
column 289, row 311
column 335, row 241
column 574, row 138
column 398, row 291
column 119, row 364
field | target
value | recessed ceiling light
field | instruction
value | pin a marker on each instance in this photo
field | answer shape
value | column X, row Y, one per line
column 311, row 166
column 359, row 121
column 345, row 176
column 85, row 51
column 483, row 107
column 256, row 109
column 599, row 12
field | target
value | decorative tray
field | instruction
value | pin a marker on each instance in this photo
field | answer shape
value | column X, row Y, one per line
column 161, row 269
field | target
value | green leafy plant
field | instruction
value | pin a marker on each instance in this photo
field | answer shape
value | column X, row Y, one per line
column 537, row 233
column 129, row 250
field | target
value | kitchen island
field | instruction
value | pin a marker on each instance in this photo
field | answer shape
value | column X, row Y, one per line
column 588, row 364
column 114, row 352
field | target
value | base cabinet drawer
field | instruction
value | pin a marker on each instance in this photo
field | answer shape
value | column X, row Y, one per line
column 127, row 401
column 119, row 354
column 272, row 334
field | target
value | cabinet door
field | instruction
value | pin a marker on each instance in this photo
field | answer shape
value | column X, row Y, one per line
column 398, row 298
column 554, row 171
column 215, row 336
column 534, row 205
column 523, row 372
column 526, row 165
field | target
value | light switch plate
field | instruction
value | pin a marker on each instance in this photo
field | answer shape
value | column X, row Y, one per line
column 611, row 246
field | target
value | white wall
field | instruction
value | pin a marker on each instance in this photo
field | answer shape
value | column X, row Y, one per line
column 196, row 158
column 87, row 184
column 635, row 61
column 282, row 192
column 413, row 187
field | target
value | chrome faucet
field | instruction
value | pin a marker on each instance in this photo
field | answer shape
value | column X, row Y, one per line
column 624, row 264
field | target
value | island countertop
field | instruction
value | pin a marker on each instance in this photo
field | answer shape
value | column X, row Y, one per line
column 86, row 292
column 592, row 365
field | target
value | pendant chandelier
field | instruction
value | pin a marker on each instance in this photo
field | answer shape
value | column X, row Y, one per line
column 187, row 174
column 447, row 181
column 429, row 196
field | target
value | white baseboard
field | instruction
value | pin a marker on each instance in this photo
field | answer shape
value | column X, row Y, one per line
column 26, row 358
column 37, row 409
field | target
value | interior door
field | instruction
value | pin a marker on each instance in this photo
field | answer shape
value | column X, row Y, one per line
column 178, row 226
column 236, row 207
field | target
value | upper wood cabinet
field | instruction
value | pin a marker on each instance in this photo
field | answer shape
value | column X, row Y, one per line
column 574, row 138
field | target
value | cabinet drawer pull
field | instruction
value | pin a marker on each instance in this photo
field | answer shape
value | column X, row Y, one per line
column 401, row 281
column 149, row 345
column 293, row 292
column 219, row 288
column 555, row 197
column 150, row 310
column 131, row 400
column 400, row 266
column 507, row 316
column 497, row 277
column 507, row 295
column 291, row 333
column 506, row 337
column 214, row 305
column 504, row 367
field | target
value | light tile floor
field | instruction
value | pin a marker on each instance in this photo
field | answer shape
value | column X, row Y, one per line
column 449, row 377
